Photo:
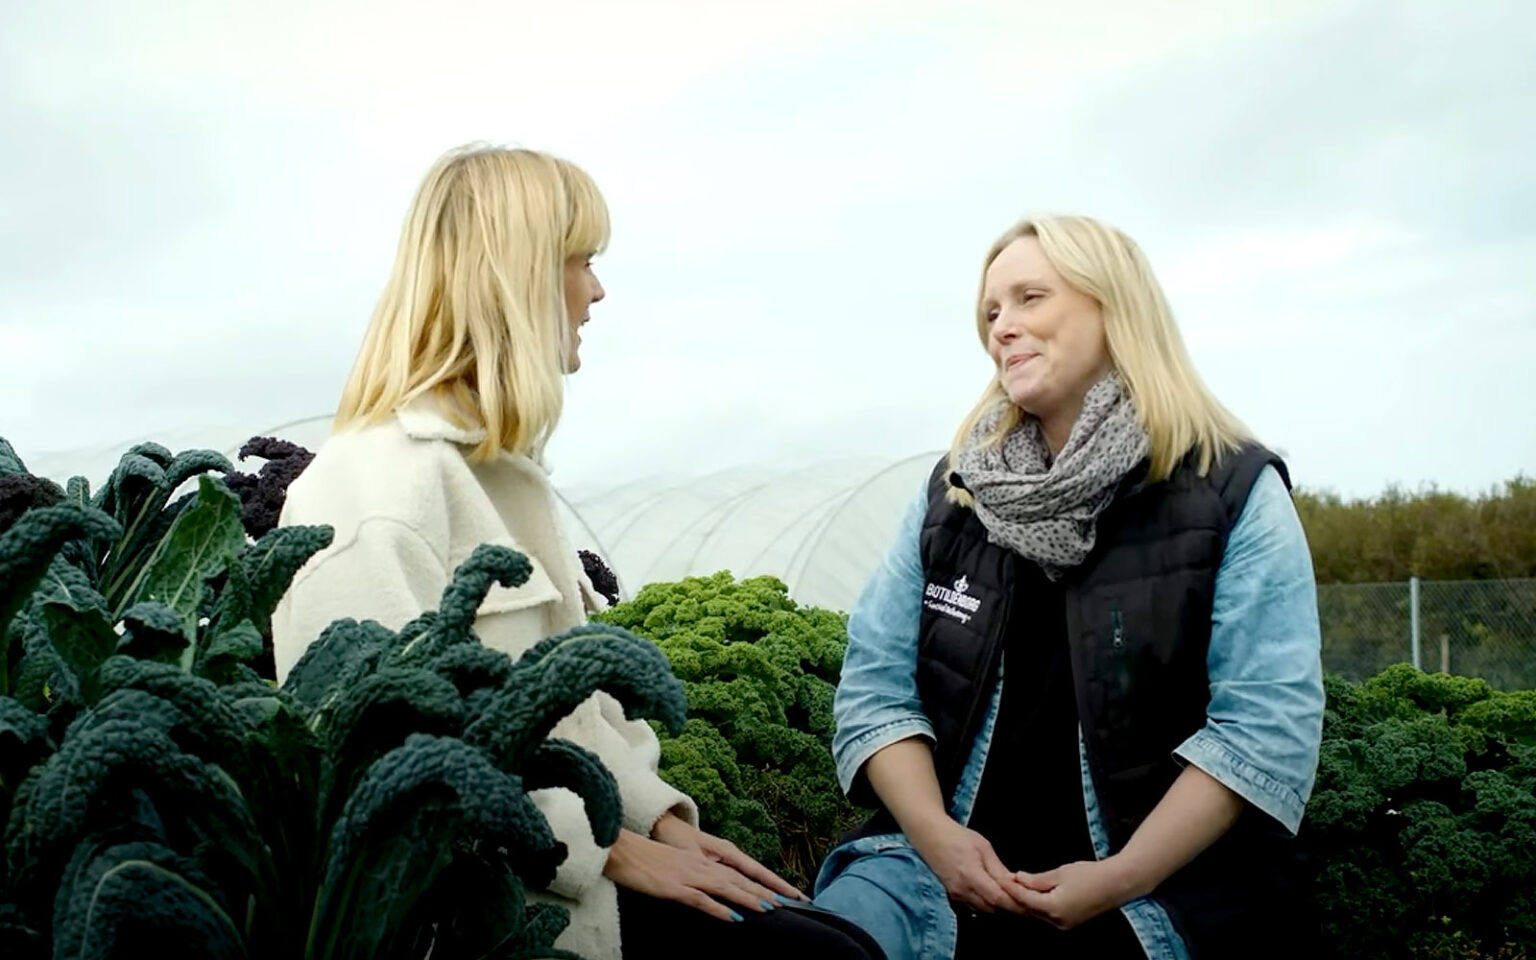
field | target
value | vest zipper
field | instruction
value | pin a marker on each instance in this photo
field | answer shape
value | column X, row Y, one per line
column 1118, row 621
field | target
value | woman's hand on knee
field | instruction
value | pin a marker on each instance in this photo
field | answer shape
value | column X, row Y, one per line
column 676, row 832
column 686, row 876
column 968, row 867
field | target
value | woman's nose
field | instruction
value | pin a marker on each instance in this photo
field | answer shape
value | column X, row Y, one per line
column 1005, row 329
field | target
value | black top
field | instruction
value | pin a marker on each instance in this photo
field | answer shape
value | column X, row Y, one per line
column 1030, row 801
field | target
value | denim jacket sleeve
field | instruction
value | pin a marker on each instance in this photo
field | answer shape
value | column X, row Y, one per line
column 876, row 703
column 1264, row 723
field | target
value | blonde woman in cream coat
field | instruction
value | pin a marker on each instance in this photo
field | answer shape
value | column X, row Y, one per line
column 436, row 449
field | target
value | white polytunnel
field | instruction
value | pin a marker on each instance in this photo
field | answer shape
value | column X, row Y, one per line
column 821, row 527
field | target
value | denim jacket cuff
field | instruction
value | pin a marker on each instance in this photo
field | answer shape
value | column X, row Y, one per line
column 852, row 757
column 1206, row 751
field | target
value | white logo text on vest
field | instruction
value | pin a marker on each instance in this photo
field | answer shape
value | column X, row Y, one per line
column 953, row 602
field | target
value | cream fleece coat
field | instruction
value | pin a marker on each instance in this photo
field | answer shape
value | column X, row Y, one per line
column 408, row 508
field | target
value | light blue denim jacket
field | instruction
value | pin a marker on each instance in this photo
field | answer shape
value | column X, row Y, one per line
column 1261, row 736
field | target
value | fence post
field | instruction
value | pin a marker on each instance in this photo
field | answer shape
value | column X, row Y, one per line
column 1413, row 620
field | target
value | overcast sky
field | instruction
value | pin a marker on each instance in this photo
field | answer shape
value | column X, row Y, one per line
column 200, row 201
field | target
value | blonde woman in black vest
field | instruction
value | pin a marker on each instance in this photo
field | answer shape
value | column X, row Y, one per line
column 1083, row 690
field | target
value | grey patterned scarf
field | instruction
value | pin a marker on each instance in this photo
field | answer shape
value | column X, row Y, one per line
column 1047, row 510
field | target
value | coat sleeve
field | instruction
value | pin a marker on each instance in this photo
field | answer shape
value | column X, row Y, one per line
column 631, row 752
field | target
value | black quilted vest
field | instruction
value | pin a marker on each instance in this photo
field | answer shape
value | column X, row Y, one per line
column 1138, row 614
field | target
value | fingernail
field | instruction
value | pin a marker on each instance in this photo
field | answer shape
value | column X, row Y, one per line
column 768, row 906
column 736, row 916
column 783, row 899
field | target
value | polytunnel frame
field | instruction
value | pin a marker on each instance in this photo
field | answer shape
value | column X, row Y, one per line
column 842, row 495
column 636, row 511
column 717, row 515
column 728, row 504
column 725, row 509
column 796, row 571
column 742, row 499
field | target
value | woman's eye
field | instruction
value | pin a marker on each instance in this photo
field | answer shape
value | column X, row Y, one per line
column 991, row 316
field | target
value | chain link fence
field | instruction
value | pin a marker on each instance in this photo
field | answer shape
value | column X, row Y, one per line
column 1475, row 628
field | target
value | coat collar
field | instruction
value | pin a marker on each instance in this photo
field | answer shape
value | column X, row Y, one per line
column 422, row 419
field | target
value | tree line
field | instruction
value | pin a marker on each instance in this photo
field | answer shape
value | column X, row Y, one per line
column 1432, row 534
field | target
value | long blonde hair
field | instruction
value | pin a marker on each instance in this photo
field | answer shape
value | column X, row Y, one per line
column 474, row 311
column 1174, row 406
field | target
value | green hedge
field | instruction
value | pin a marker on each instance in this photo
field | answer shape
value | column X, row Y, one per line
column 1431, row 534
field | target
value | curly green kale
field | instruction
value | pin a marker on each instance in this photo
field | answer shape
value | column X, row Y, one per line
column 1422, row 824
column 759, row 672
